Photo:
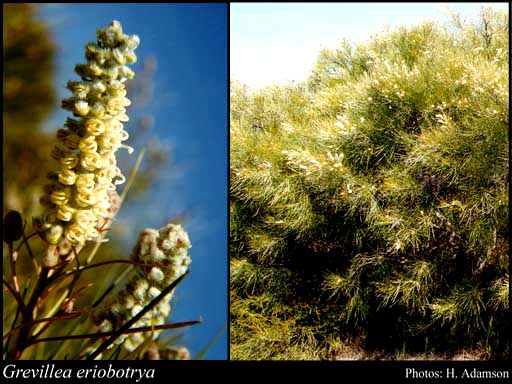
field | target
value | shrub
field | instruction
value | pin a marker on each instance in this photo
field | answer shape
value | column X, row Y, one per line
column 370, row 202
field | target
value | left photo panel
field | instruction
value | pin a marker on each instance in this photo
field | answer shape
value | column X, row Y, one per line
column 115, row 182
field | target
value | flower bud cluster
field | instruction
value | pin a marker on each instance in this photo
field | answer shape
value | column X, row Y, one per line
column 161, row 257
column 79, row 196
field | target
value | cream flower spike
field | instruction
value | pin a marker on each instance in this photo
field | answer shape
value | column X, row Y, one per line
column 164, row 257
column 80, row 197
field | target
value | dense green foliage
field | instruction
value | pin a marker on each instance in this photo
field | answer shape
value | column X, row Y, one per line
column 369, row 205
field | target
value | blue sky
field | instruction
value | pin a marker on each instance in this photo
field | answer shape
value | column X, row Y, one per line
column 189, row 108
column 279, row 42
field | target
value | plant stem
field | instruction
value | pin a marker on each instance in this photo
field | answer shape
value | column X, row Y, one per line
column 18, row 310
column 99, row 335
column 13, row 256
column 25, row 238
column 133, row 320
column 47, row 319
column 27, row 314
column 16, row 295
column 29, row 249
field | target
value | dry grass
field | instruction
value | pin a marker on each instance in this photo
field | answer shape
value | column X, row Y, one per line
column 357, row 353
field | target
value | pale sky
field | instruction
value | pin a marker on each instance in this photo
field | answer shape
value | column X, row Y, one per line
column 279, row 42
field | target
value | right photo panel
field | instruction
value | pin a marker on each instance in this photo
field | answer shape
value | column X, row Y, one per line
column 369, row 162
